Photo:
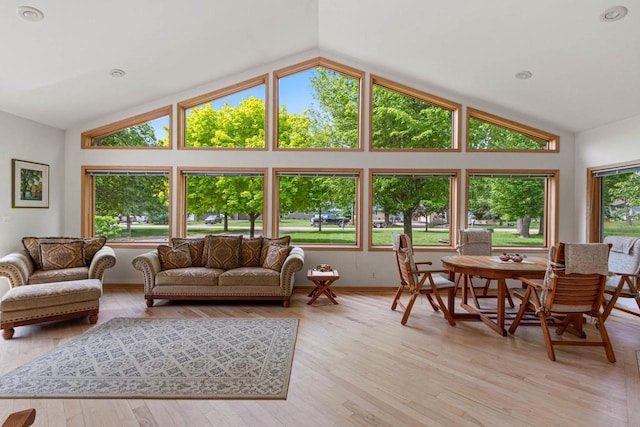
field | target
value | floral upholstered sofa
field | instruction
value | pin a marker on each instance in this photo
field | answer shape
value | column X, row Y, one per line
column 221, row 267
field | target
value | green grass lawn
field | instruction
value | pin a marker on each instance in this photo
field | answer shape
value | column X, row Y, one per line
column 301, row 232
column 620, row 228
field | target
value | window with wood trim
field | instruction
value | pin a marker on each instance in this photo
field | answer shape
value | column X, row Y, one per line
column 403, row 118
column 128, row 205
column 420, row 203
column 318, row 106
column 222, row 201
column 487, row 132
column 148, row 130
column 614, row 201
column 318, row 208
column 519, row 207
column 229, row 118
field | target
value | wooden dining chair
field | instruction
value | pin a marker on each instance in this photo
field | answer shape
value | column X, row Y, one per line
column 573, row 286
column 419, row 281
column 477, row 242
column 20, row 419
column 624, row 272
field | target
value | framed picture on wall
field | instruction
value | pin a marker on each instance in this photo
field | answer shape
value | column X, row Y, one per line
column 30, row 184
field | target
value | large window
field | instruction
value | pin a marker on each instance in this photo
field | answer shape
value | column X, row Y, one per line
column 319, row 106
column 222, row 201
column 128, row 205
column 614, row 201
column 420, row 203
column 318, row 208
column 519, row 207
column 231, row 118
column 148, row 130
column 486, row 132
column 403, row 118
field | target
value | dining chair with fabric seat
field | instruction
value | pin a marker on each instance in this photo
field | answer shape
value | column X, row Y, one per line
column 477, row 242
column 624, row 271
column 573, row 287
column 420, row 281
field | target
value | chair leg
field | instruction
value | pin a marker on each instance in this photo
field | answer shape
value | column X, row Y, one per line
column 469, row 283
column 407, row 311
column 523, row 308
column 547, row 336
column 433, row 303
column 605, row 339
column 396, row 298
column 446, row 312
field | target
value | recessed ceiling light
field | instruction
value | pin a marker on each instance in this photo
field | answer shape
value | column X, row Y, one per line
column 116, row 72
column 29, row 13
column 614, row 13
column 524, row 75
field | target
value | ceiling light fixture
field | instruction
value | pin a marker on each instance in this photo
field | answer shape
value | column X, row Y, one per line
column 524, row 75
column 117, row 73
column 29, row 13
column 614, row 13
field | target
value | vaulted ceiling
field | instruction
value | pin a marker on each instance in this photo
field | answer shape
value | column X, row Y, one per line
column 586, row 72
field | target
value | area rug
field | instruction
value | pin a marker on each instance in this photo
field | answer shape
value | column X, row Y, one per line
column 164, row 359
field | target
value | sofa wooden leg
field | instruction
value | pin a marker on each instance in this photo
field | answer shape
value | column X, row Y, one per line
column 149, row 302
column 286, row 303
column 93, row 318
column 7, row 333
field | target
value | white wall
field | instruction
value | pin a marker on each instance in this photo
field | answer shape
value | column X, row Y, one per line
column 24, row 139
column 357, row 268
column 615, row 143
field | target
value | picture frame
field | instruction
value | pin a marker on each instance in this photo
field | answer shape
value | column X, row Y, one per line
column 30, row 184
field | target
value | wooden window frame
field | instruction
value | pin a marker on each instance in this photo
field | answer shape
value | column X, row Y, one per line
column 307, row 65
column 87, row 202
column 552, row 200
column 434, row 100
column 552, row 141
column 183, row 106
column 89, row 136
column 181, row 220
column 275, row 214
column 454, row 206
column 594, row 197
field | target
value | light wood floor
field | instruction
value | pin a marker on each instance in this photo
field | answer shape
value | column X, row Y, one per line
column 356, row 365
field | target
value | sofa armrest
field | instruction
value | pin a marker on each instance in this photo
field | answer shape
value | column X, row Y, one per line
column 103, row 259
column 293, row 263
column 149, row 264
column 17, row 267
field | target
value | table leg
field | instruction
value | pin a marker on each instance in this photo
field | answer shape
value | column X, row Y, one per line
column 322, row 287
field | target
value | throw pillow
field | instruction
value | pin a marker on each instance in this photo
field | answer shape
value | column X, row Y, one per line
column 196, row 246
column 91, row 246
column 174, row 257
column 222, row 251
column 250, row 252
column 57, row 256
column 266, row 241
column 32, row 245
column 276, row 255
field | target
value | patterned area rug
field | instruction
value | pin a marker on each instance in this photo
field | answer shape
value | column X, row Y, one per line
column 165, row 359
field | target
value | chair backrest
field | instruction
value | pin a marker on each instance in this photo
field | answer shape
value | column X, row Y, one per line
column 576, row 278
column 474, row 242
column 404, row 258
column 625, row 254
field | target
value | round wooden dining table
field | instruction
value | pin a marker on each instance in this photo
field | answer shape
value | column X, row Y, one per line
column 491, row 267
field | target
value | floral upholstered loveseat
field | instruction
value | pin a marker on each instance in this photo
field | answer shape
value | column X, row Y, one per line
column 57, row 259
column 221, row 267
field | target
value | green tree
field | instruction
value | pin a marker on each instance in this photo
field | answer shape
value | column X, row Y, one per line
column 229, row 127
column 400, row 121
column 487, row 136
column 141, row 135
column 626, row 189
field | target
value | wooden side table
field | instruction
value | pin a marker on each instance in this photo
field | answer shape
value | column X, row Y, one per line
column 323, row 280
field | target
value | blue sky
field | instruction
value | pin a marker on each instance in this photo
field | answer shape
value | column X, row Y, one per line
column 295, row 93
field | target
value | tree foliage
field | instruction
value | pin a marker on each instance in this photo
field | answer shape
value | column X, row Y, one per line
column 402, row 122
column 487, row 136
column 142, row 135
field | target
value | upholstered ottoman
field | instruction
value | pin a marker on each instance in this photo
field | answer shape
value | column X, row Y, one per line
column 29, row 304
